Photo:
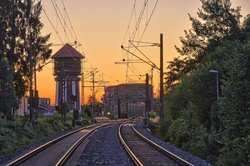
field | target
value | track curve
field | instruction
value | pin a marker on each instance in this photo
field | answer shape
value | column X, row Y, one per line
column 145, row 152
column 57, row 151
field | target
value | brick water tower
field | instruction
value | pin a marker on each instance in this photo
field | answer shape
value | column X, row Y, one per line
column 67, row 72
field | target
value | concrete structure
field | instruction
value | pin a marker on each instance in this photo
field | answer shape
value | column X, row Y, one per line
column 44, row 103
column 126, row 100
column 23, row 106
column 67, row 71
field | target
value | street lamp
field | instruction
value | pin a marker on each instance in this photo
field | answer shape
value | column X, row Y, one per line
column 217, row 82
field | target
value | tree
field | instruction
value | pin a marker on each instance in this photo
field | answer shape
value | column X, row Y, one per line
column 20, row 38
column 235, row 107
column 8, row 100
column 215, row 130
column 216, row 22
column 246, row 27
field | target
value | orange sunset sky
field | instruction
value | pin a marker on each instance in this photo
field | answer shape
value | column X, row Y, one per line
column 100, row 26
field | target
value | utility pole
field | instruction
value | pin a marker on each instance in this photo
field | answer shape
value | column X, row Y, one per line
column 31, row 79
column 93, row 97
column 83, row 77
column 147, row 99
column 149, row 62
column 161, row 79
column 13, row 42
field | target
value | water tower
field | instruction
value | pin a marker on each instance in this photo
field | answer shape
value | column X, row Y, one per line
column 67, row 71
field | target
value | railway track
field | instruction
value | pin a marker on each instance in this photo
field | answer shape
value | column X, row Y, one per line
column 145, row 152
column 57, row 151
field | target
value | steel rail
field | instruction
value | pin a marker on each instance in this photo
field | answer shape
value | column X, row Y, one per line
column 128, row 150
column 67, row 155
column 35, row 151
column 163, row 150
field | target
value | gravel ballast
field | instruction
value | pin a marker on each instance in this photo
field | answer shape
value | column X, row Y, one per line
column 104, row 148
column 179, row 152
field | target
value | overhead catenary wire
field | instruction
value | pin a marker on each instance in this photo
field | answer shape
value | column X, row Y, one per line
column 59, row 18
column 128, row 27
column 153, row 64
column 136, row 32
column 136, row 28
column 147, row 23
column 64, row 25
column 52, row 26
column 71, row 26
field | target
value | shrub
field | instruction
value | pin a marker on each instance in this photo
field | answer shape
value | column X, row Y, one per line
column 21, row 134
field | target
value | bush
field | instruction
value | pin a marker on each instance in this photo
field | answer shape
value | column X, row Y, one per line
column 238, row 147
column 21, row 134
column 179, row 132
column 163, row 129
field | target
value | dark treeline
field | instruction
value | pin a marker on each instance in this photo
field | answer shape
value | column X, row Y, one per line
column 216, row 130
column 21, row 44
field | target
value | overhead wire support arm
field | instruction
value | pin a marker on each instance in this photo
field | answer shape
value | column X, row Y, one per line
column 136, row 56
column 152, row 65
column 140, row 46
column 144, row 55
column 149, row 43
column 125, row 62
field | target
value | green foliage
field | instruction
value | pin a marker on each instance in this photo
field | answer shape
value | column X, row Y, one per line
column 179, row 132
column 163, row 128
column 22, row 135
column 64, row 110
column 235, row 152
column 246, row 27
column 217, row 131
column 216, row 22
column 8, row 101
column 198, row 142
column 87, row 110
column 235, row 105
column 173, row 109
column 20, row 32
column 84, row 119
column 153, row 115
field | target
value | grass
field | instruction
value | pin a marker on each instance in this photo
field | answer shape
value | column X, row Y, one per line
column 15, row 135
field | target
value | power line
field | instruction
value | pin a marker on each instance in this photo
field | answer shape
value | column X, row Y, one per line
column 128, row 27
column 55, row 7
column 53, row 26
column 136, row 31
column 147, row 23
column 69, row 21
column 65, row 24
column 139, row 20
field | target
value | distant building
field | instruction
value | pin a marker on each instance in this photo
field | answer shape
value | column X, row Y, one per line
column 44, row 103
column 23, row 106
column 126, row 100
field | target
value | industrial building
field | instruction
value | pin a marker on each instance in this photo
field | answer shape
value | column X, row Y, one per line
column 128, row 100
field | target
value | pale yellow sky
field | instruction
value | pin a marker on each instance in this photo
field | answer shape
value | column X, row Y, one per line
column 101, row 25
